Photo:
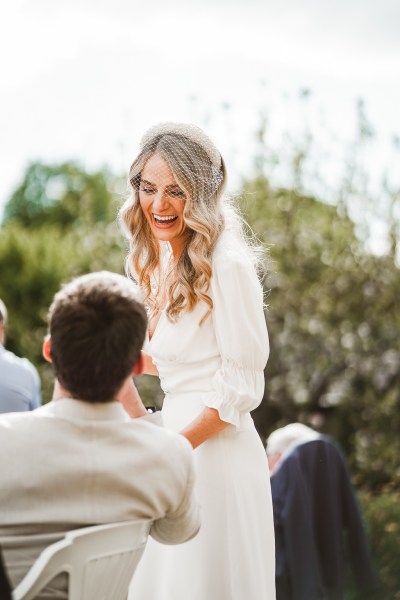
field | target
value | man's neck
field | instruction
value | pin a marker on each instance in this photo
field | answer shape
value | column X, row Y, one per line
column 59, row 392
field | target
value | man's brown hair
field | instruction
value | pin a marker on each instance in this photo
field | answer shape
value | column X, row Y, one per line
column 97, row 327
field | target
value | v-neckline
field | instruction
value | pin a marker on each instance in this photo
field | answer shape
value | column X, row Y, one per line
column 156, row 327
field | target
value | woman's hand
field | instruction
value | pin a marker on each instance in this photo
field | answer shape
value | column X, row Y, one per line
column 207, row 424
column 149, row 368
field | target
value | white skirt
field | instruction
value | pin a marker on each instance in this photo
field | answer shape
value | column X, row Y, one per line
column 233, row 555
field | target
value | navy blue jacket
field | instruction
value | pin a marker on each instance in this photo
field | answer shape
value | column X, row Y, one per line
column 318, row 525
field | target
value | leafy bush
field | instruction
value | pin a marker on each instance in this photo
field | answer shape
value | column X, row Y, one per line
column 33, row 265
column 382, row 516
column 334, row 328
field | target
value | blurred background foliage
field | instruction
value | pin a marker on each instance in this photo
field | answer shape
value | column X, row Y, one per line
column 59, row 223
column 61, row 195
column 332, row 311
column 334, row 324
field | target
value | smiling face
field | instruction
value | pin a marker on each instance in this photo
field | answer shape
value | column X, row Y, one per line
column 162, row 201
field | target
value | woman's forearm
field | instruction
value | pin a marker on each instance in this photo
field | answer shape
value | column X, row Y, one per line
column 130, row 399
column 207, row 424
column 149, row 368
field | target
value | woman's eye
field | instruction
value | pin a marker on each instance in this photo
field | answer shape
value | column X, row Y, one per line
column 177, row 194
column 147, row 190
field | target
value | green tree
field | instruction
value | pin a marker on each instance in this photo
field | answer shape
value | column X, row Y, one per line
column 60, row 222
column 33, row 265
column 334, row 328
column 61, row 195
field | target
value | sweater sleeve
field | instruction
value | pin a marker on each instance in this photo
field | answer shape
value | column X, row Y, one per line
column 182, row 522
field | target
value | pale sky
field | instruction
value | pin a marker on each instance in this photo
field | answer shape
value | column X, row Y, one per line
column 83, row 79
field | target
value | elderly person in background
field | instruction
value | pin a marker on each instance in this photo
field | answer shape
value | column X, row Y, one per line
column 19, row 380
column 318, row 522
column 283, row 440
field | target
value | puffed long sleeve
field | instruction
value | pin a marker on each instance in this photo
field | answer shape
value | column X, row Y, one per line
column 242, row 337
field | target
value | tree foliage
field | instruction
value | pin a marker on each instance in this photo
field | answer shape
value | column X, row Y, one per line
column 334, row 328
column 62, row 195
column 46, row 241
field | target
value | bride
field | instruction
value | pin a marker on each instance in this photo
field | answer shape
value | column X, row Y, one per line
column 208, row 343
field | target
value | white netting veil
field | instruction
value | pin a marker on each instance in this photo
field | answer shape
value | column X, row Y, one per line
column 191, row 155
column 187, row 130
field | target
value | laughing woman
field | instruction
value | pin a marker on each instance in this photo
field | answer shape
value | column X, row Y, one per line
column 208, row 343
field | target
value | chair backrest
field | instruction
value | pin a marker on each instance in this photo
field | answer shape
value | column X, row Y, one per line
column 99, row 560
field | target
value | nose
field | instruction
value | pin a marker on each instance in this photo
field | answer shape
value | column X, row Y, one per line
column 160, row 201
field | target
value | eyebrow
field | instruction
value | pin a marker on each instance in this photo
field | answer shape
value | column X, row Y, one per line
column 168, row 187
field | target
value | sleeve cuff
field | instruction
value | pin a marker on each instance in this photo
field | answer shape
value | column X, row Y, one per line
column 236, row 391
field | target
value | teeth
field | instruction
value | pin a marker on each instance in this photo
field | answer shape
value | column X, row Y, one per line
column 165, row 219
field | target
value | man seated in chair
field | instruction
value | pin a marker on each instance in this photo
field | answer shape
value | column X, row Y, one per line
column 81, row 459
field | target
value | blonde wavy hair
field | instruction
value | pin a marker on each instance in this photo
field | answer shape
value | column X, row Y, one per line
column 205, row 215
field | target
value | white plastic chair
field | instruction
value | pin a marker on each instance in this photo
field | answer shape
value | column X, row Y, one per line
column 99, row 560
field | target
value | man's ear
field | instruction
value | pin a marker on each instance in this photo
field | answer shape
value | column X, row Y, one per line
column 46, row 348
column 138, row 367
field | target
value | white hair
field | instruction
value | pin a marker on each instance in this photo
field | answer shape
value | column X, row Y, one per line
column 283, row 440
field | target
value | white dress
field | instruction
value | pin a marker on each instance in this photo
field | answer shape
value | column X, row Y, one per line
column 219, row 364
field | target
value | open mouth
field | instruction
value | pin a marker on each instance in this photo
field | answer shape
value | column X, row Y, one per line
column 165, row 221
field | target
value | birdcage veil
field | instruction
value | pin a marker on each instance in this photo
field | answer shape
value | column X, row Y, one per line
column 192, row 156
column 189, row 131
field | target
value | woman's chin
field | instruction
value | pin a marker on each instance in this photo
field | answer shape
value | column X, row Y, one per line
column 167, row 234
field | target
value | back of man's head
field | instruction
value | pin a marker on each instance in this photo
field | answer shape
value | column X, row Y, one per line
column 97, row 328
